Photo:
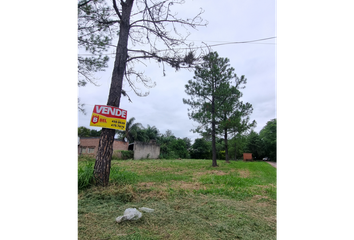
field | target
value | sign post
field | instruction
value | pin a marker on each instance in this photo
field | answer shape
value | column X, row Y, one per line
column 108, row 117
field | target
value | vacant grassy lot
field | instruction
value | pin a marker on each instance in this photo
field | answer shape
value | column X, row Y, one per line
column 191, row 199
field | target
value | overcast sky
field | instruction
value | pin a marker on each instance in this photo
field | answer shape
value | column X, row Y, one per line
column 163, row 107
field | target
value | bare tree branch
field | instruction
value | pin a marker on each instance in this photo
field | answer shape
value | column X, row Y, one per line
column 88, row 79
column 83, row 3
column 116, row 9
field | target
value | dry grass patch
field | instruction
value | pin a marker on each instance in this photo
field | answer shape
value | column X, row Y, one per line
column 189, row 186
column 164, row 169
column 244, row 173
column 182, row 172
column 215, row 172
column 153, row 194
column 262, row 189
column 271, row 219
column 265, row 186
column 146, row 184
column 172, row 184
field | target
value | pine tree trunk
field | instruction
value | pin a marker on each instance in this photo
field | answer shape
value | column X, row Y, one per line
column 103, row 159
column 226, row 148
column 105, row 148
column 214, row 164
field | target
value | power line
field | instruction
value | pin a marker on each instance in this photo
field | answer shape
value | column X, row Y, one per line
column 214, row 45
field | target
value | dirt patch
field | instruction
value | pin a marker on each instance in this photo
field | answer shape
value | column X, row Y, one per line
column 264, row 186
column 218, row 172
column 173, row 185
column 191, row 186
column 244, row 173
column 183, row 172
column 159, row 194
column 215, row 172
column 164, row 169
column 257, row 197
column 262, row 201
column 146, row 184
column 271, row 219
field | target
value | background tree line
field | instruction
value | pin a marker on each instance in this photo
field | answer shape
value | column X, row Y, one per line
column 262, row 144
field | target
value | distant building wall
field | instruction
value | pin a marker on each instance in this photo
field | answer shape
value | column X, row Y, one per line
column 146, row 150
column 247, row 157
column 89, row 146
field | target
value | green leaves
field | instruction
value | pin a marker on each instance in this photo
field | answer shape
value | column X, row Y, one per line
column 201, row 149
column 215, row 99
column 85, row 132
column 269, row 137
column 255, row 145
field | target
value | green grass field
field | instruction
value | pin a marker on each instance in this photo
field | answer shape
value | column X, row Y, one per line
column 191, row 199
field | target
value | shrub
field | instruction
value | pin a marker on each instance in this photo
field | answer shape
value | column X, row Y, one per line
column 169, row 155
column 122, row 155
column 221, row 154
column 127, row 154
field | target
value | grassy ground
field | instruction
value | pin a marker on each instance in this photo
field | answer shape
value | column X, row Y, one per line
column 191, row 199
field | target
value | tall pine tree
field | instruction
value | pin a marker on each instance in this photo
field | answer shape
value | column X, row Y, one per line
column 209, row 90
column 233, row 114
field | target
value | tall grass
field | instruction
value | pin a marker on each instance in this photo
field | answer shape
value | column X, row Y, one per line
column 117, row 175
column 85, row 175
column 121, row 176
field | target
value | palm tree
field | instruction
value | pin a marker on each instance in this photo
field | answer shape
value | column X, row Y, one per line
column 152, row 132
column 147, row 134
column 141, row 135
column 131, row 130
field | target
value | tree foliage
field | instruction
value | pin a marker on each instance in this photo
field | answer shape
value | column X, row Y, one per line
column 237, row 145
column 188, row 142
column 179, row 148
column 131, row 130
column 172, row 147
column 95, row 39
column 147, row 134
column 233, row 114
column 94, row 36
column 210, row 91
column 268, row 135
column 201, row 149
column 85, row 132
column 254, row 145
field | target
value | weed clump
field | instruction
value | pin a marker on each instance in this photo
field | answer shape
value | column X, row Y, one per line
column 117, row 176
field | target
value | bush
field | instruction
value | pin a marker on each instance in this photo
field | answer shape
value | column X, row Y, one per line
column 127, row 154
column 221, row 154
column 122, row 155
column 169, row 155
